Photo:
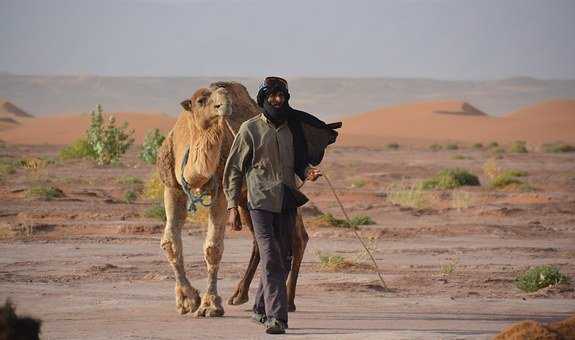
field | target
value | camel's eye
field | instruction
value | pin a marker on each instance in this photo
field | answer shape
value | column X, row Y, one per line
column 217, row 106
column 201, row 101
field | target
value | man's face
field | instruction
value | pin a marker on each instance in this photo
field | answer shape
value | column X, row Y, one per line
column 276, row 99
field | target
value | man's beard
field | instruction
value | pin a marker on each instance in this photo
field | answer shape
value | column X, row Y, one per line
column 276, row 114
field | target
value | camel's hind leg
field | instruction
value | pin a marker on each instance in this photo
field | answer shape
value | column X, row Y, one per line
column 187, row 297
column 213, row 250
column 300, row 239
column 240, row 295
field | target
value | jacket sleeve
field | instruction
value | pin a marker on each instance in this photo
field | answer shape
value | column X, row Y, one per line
column 237, row 166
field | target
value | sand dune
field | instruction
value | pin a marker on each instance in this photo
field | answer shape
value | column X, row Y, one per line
column 419, row 123
column 11, row 115
column 60, row 130
column 441, row 121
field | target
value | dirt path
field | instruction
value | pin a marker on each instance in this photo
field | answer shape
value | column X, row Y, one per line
column 122, row 289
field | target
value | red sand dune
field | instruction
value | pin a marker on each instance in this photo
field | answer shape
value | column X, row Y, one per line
column 11, row 115
column 60, row 130
column 441, row 121
column 416, row 123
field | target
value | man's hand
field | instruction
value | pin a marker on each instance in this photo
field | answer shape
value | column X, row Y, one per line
column 234, row 221
column 313, row 174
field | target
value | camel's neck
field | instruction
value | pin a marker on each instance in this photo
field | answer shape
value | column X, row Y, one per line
column 205, row 150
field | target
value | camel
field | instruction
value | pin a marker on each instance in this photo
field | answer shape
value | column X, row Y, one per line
column 191, row 162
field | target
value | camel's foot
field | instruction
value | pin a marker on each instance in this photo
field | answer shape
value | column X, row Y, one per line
column 291, row 307
column 211, row 306
column 187, row 298
column 240, row 297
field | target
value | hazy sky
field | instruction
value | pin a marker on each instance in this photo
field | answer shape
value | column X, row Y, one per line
column 445, row 39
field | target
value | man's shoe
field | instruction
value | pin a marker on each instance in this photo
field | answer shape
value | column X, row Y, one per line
column 275, row 326
column 259, row 318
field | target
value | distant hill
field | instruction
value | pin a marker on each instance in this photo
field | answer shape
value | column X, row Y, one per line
column 327, row 97
column 420, row 123
column 11, row 115
column 64, row 129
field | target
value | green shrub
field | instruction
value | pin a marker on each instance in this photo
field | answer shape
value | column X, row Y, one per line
column 558, row 147
column 540, row 277
column 451, row 146
column 435, row 147
column 78, row 149
column 156, row 211
column 518, row 147
column 7, row 167
column 152, row 143
column 407, row 196
column 361, row 220
column 493, row 145
column 331, row 262
column 108, row 141
column 460, row 157
column 335, row 222
column 392, row 146
column 516, row 173
column 477, row 146
column 130, row 196
column 450, row 179
column 44, row 192
column 503, row 180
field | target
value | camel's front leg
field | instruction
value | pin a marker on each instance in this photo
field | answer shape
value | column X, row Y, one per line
column 187, row 297
column 213, row 250
column 240, row 295
column 300, row 239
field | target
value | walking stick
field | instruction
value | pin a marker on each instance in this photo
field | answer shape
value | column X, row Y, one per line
column 355, row 233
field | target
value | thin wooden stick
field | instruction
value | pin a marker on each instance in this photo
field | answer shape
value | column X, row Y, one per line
column 355, row 232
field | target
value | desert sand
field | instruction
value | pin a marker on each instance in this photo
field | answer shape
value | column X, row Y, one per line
column 440, row 121
column 90, row 265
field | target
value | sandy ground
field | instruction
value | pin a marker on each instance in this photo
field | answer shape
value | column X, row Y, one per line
column 90, row 266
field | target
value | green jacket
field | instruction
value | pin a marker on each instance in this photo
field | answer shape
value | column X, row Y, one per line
column 262, row 156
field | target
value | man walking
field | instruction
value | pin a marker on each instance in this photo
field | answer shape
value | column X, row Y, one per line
column 266, row 156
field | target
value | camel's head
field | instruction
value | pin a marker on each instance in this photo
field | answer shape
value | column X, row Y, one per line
column 209, row 106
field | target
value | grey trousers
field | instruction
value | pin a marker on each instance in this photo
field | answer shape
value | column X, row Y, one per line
column 274, row 234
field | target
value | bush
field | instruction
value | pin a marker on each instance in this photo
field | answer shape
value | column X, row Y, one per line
column 407, row 196
column 130, row 196
column 44, row 192
column 152, row 143
column 540, row 277
column 450, row 179
column 392, row 146
column 451, row 146
column 154, row 188
column 335, row 222
column 131, row 182
column 518, row 147
column 331, row 262
column 7, row 167
column 361, row 220
column 558, row 147
column 477, row 146
column 493, row 145
column 460, row 157
column 77, row 150
column 516, row 173
column 435, row 147
column 504, row 180
column 156, row 211
column 108, row 141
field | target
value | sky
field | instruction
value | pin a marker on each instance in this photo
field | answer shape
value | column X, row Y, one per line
column 439, row 39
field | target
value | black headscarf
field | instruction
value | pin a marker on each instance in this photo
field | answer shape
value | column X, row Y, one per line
column 295, row 120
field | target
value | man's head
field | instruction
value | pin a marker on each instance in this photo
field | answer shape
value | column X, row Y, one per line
column 275, row 91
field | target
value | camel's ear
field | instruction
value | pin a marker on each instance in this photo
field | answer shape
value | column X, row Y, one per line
column 187, row 105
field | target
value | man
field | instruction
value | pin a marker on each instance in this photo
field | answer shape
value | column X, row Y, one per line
column 265, row 154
